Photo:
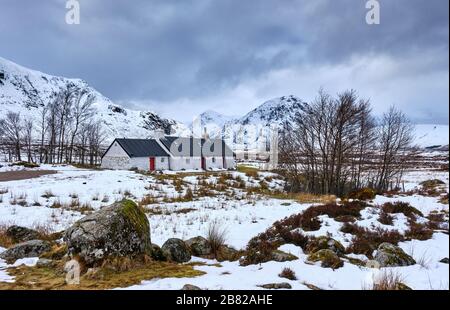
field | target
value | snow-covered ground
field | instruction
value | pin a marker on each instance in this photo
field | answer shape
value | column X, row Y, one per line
column 242, row 215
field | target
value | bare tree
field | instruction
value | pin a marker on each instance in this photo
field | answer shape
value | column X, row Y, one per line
column 395, row 134
column 28, row 138
column 11, row 127
column 82, row 112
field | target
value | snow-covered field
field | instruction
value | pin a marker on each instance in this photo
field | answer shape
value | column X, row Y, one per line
column 244, row 216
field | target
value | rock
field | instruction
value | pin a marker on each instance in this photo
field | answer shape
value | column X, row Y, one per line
column 43, row 262
column 328, row 258
column 280, row 256
column 22, row 234
column 119, row 230
column 57, row 252
column 325, row 243
column 32, row 248
column 158, row 254
column 276, row 286
column 199, row 246
column 444, row 260
column 228, row 253
column 389, row 255
column 176, row 250
column 190, row 287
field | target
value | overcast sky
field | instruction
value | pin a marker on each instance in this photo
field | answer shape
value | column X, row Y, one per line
column 182, row 57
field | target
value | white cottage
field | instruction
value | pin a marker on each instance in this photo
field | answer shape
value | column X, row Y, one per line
column 169, row 153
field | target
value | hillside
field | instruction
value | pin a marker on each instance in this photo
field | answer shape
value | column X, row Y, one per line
column 27, row 91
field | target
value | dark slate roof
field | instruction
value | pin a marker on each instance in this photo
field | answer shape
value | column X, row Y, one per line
column 141, row 147
column 193, row 147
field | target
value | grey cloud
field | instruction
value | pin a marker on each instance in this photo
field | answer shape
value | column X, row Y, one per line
column 167, row 51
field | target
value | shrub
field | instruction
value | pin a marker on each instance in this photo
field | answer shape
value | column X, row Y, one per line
column 5, row 240
column 401, row 207
column 418, row 231
column 47, row 194
column 363, row 194
column 288, row 273
column 366, row 241
column 26, row 164
column 385, row 218
column 308, row 220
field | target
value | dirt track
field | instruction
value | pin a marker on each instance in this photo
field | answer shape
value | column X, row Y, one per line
column 23, row 174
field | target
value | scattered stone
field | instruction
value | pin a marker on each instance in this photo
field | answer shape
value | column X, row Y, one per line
column 176, row 250
column 276, row 286
column 199, row 246
column 389, row 255
column 158, row 254
column 121, row 229
column 32, row 248
column 57, row 252
column 328, row 258
column 280, row 256
column 325, row 243
column 43, row 262
column 228, row 253
column 190, row 287
column 444, row 260
column 21, row 234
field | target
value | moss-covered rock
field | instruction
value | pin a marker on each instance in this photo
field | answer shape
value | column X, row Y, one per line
column 32, row 248
column 157, row 254
column 280, row 256
column 325, row 243
column 199, row 246
column 389, row 255
column 176, row 250
column 328, row 259
column 119, row 230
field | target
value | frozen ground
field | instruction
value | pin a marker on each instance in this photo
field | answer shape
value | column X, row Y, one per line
column 244, row 216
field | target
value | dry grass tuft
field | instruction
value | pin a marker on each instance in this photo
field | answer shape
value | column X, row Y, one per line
column 216, row 237
column 288, row 273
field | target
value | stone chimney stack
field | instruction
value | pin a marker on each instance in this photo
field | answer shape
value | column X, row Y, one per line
column 159, row 134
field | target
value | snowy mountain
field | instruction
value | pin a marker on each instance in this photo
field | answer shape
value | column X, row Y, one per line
column 253, row 126
column 275, row 111
column 431, row 136
column 252, row 130
column 27, row 91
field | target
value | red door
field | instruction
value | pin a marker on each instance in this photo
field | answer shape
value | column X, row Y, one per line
column 203, row 163
column 152, row 163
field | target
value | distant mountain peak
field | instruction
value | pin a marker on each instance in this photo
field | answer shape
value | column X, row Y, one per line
column 27, row 91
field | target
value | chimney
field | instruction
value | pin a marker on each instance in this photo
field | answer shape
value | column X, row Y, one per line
column 159, row 134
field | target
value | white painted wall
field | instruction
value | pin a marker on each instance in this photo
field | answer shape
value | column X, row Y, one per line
column 186, row 163
column 116, row 151
column 116, row 158
column 230, row 163
column 143, row 163
column 117, row 163
column 211, row 164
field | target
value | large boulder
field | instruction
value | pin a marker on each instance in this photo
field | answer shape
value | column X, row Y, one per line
column 119, row 230
column 176, row 250
column 22, row 234
column 199, row 246
column 328, row 259
column 32, row 248
column 389, row 255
